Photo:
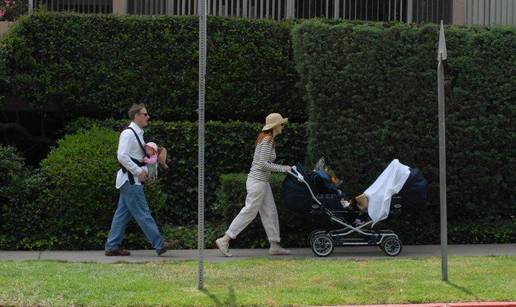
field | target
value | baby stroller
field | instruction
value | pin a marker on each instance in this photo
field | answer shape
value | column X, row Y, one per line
column 298, row 195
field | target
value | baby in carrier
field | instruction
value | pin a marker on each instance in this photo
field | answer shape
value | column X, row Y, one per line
column 152, row 158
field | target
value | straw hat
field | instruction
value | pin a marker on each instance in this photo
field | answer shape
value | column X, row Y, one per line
column 272, row 120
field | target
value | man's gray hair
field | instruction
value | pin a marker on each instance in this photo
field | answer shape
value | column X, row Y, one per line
column 135, row 109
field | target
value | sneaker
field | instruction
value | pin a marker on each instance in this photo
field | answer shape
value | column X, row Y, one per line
column 276, row 251
column 167, row 245
column 117, row 252
column 223, row 247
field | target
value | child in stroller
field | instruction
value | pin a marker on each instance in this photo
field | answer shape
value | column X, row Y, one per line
column 316, row 193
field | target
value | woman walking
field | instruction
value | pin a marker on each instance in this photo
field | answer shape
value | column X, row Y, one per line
column 259, row 197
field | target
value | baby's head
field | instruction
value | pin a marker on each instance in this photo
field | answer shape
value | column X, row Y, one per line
column 151, row 148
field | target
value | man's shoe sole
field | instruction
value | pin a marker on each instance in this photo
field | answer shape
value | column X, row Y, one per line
column 116, row 255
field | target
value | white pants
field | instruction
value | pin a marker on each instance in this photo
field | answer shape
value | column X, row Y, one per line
column 259, row 199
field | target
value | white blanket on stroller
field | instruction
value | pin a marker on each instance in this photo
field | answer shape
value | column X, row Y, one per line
column 379, row 194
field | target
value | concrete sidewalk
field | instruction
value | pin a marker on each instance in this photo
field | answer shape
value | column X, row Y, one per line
column 212, row 255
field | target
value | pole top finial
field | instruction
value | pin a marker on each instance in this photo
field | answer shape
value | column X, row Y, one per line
column 441, row 51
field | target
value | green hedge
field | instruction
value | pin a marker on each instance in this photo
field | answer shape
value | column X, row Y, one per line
column 70, row 201
column 72, row 198
column 372, row 97
column 100, row 64
column 4, row 88
column 12, row 165
column 187, row 236
column 23, row 217
column 229, row 148
column 13, row 170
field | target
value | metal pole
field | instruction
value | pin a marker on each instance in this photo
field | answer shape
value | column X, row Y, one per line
column 442, row 55
column 290, row 6
column 31, row 7
column 409, row 11
column 202, row 83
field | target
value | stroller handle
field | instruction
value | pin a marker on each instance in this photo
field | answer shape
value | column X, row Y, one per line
column 293, row 171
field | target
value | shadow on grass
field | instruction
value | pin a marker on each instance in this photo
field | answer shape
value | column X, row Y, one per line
column 231, row 300
column 463, row 289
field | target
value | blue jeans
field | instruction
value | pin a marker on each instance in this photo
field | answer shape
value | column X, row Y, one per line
column 132, row 204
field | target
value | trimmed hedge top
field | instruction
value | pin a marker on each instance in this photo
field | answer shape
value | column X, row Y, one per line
column 100, row 64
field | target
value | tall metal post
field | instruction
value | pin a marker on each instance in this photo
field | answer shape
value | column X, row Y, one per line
column 31, row 7
column 202, row 85
column 410, row 11
column 441, row 57
column 291, row 7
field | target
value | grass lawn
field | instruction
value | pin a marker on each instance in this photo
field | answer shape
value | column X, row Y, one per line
column 259, row 282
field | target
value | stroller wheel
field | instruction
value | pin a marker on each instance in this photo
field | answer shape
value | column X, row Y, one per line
column 322, row 245
column 312, row 235
column 391, row 246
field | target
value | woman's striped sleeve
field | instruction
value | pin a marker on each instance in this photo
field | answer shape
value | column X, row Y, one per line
column 265, row 151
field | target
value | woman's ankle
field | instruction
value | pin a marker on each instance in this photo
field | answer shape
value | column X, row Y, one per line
column 275, row 244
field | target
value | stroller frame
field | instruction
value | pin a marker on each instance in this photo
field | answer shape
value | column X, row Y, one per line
column 323, row 242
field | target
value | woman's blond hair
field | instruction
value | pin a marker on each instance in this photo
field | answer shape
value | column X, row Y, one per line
column 267, row 134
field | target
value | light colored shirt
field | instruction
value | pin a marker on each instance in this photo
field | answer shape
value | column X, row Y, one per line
column 128, row 148
column 264, row 156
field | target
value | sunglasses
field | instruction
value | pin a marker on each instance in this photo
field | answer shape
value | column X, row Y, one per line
column 144, row 114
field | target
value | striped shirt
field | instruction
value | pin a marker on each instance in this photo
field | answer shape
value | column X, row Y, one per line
column 264, row 156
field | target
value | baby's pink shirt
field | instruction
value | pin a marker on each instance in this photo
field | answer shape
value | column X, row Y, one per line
column 153, row 159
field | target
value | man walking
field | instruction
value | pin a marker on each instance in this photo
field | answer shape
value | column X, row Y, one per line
column 132, row 202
